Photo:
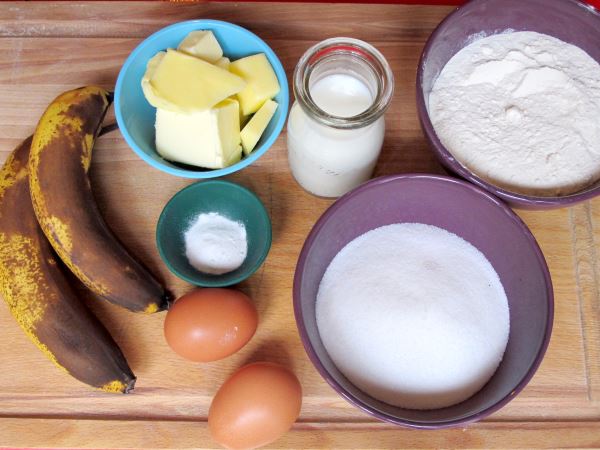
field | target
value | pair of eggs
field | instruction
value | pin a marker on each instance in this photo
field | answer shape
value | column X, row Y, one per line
column 260, row 401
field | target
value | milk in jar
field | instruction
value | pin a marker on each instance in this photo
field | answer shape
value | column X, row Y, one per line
column 336, row 125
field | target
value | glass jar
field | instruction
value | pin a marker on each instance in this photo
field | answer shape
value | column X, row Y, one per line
column 336, row 126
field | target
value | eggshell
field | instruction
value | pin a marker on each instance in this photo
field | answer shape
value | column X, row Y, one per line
column 210, row 324
column 255, row 406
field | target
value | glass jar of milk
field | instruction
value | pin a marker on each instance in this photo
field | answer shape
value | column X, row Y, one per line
column 336, row 125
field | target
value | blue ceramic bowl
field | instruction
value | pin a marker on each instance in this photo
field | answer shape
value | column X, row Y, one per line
column 135, row 115
column 227, row 199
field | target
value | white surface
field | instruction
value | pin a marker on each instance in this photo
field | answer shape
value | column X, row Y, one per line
column 326, row 161
column 521, row 111
column 215, row 244
column 341, row 95
column 413, row 315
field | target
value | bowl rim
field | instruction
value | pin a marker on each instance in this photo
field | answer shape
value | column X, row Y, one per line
column 214, row 173
column 451, row 163
column 330, row 379
column 217, row 281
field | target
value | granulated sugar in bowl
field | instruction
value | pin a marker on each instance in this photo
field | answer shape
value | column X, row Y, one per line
column 413, row 315
column 435, row 275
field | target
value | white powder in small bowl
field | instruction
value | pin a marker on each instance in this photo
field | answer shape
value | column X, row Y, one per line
column 413, row 315
column 215, row 244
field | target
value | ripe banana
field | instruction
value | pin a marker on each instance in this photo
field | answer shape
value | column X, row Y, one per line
column 64, row 204
column 34, row 286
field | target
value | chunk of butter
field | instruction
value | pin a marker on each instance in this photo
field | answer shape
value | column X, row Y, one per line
column 202, row 44
column 257, row 125
column 235, row 157
column 262, row 82
column 223, row 63
column 149, row 93
column 209, row 138
column 184, row 83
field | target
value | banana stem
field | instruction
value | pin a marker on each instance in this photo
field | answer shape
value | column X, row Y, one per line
column 108, row 128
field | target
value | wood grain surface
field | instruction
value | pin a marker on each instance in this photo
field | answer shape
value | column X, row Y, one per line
column 47, row 48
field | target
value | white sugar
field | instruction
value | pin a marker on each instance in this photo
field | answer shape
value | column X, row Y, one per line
column 413, row 315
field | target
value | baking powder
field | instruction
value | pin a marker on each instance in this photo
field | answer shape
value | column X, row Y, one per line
column 215, row 244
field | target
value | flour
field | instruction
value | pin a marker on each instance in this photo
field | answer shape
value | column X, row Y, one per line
column 215, row 244
column 413, row 315
column 521, row 111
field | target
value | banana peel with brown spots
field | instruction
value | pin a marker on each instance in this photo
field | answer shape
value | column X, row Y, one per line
column 39, row 296
column 64, row 204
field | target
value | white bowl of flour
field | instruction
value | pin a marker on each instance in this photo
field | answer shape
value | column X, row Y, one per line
column 406, row 291
column 509, row 95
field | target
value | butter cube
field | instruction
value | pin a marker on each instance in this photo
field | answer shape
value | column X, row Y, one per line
column 243, row 119
column 209, row 138
column 149, row 93
column 257, row 125
column 235, row 157
column 262, row 81
column 184, row 83
column 202, row 44
column 223, row 63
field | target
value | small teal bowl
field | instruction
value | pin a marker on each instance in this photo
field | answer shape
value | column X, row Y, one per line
column 135, row 116
column 229, row 200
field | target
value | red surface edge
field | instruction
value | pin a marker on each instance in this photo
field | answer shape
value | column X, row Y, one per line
column 594, row 3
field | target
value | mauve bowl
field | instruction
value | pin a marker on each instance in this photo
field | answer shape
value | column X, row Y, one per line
column 571, row 21
column 476, row 216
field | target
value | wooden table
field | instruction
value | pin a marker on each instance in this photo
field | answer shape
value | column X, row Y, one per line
column 48, row 48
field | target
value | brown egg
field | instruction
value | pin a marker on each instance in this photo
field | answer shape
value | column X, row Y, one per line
column 210, row 324
column 255, row 406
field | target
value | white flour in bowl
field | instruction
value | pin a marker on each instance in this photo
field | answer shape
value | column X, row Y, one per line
column 521, row 110
column 413, row 315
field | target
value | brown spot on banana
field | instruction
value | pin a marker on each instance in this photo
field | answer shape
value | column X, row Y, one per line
column 67, row 212
column 39, row 296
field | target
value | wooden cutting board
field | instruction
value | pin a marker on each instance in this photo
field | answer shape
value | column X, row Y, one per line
column 47, row 48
